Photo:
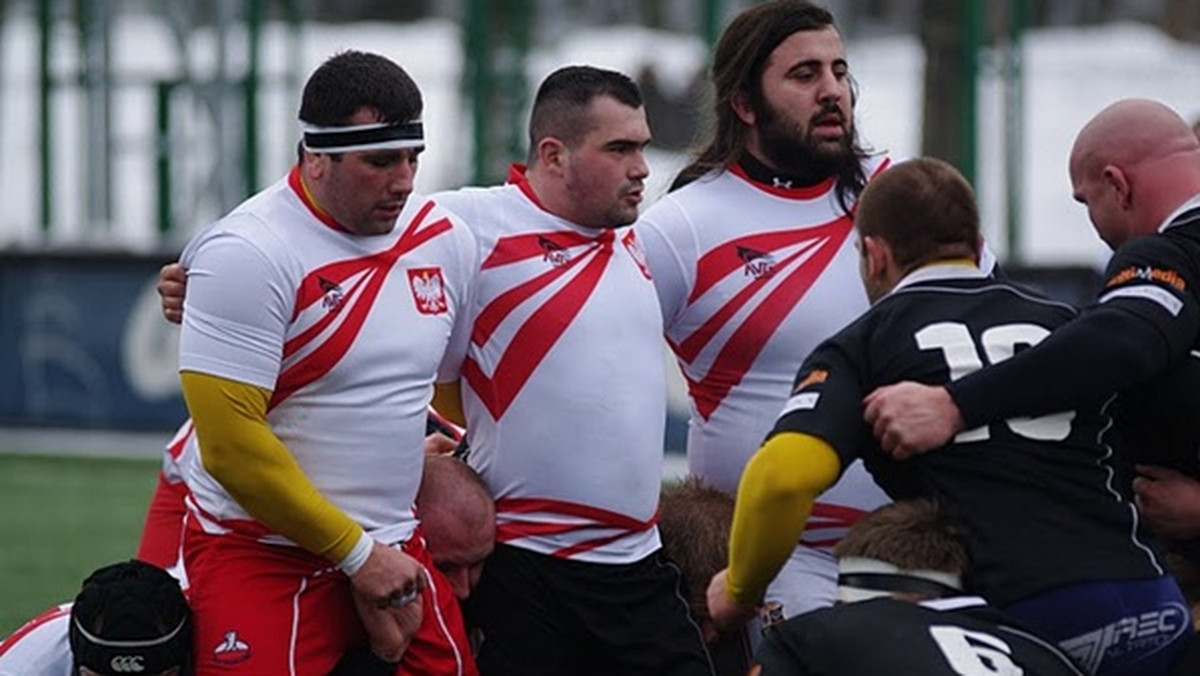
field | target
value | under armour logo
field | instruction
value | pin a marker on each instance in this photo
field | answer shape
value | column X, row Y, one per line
column 777, row 182
column 127, row 664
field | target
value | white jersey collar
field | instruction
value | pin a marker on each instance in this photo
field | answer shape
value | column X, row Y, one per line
column 1190, row 204
column 935, row 272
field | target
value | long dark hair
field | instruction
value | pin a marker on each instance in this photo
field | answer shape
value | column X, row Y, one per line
column 738, row 63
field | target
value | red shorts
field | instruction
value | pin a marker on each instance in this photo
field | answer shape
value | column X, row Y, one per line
column 282, row 611
column 163, row 532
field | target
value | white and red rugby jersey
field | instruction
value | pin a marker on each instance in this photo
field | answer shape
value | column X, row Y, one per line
column 349, row 332
column 40, row 647
column 565, row 381
column 751, row 278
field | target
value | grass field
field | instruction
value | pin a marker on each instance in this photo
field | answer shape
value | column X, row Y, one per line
column 61, row 518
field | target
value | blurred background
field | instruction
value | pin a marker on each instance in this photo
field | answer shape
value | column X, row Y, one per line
column 125, row 125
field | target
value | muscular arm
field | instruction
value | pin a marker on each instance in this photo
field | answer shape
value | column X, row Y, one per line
column 1103, row 351
column 242, row 453
column 775, row 497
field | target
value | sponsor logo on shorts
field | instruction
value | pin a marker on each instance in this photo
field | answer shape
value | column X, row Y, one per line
column 770, row 614
column 232, row 650
column 1143, row 634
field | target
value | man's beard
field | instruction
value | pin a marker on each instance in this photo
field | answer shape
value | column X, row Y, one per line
column 796, row 153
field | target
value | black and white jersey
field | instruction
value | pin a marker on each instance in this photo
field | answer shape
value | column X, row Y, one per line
column 1036, row 495
column 1141, row 338
column 1157, row 280
column 948, row 637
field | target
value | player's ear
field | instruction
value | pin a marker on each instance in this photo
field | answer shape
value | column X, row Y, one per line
column 1116, row 180
column 877, row 256
column 551, row 152
column 740, row 103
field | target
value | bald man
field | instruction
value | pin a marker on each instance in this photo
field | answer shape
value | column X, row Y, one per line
column 1136, row 167
column 457, row 514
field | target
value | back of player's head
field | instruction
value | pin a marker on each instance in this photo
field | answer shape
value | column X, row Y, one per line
column 694, row 521
column 131, row 617
column 351, row 80
column 560, row 107
column 924, row 209
column 911, row 547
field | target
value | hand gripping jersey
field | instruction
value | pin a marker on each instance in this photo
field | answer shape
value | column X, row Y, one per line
column 565, row 384
column 348, row 332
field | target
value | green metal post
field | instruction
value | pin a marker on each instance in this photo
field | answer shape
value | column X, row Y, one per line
column 520, row 20
column 250, row 85
column 711, row 22
column 1014, row 128
column 969, row 106
column 45, row 150
column 479, row 79
column 162, row 155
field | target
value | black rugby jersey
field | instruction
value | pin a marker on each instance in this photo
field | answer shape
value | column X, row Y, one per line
column 945, row 637
column 1037, row 495
column 1141, row 338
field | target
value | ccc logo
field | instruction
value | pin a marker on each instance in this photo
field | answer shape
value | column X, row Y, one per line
column 127, row 664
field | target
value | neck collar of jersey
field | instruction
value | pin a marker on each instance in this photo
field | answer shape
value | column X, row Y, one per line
column 861, row 578
column 1190, row 205
column 296, row 183
column 941, row 271
column 518, row 176
column 759, row 175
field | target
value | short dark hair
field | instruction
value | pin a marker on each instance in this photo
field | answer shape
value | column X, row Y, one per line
column 131, row 614
column 924, row 209
column 694, row 521
column 561, row 103
column 911, row 535
column 351, row 80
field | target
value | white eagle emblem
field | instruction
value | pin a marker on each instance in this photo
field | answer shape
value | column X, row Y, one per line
column 428, row 289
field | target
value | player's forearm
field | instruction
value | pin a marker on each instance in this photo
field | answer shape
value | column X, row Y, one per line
column 241, row 452
column 775, row 497
column 1084, row 362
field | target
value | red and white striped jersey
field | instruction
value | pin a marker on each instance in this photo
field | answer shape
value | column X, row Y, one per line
column 751, row 278
column 348, row 332
column 565, row 382
column 40, row 647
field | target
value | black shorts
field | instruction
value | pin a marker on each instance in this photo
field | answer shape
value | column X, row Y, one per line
column 545, row 616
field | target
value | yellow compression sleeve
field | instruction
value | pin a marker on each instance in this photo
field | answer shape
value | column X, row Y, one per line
column 447, row 400
column 775, row 497
column 242, row 453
